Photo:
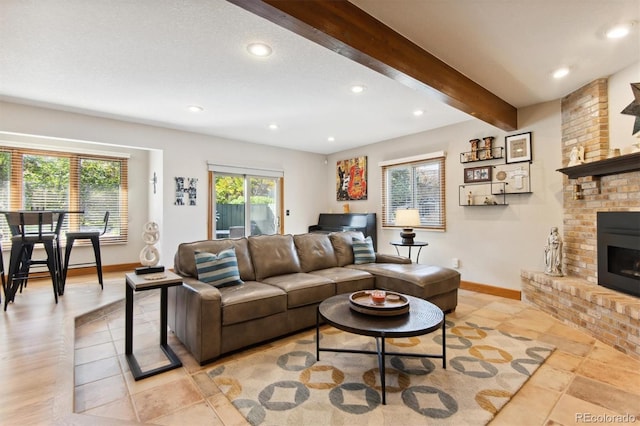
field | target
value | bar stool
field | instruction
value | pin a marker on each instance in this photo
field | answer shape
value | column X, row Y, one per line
column 4, row 281
column 32, row 227
column 94, row 236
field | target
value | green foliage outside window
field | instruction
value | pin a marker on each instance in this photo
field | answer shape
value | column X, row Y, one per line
column 45, row 181
column 230, row 190
column 5, row 166
column 63, row 181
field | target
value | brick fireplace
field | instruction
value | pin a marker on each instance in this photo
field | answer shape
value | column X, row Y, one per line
column 619, row 251
column 577, row 299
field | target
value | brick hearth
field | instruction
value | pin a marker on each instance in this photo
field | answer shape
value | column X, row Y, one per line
column 577, row 299
column 609, row 316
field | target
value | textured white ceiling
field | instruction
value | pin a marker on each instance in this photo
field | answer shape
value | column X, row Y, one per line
column 147, row 60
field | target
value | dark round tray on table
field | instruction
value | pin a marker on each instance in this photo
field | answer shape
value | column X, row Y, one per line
column 394, row 303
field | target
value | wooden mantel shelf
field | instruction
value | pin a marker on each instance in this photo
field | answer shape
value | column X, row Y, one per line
column 610, row 166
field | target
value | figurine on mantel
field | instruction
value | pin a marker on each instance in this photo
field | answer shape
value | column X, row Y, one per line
column 576, row 157
column 553, row 254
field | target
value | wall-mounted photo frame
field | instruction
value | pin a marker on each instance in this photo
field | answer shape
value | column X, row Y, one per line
column 477, row 174
column 186, row 191
column 518, row 148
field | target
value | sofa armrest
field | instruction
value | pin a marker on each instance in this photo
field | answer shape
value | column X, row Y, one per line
column 195, row 316
column 391, row 258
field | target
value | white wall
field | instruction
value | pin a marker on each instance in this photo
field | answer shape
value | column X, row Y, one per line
column 620, row 96
column 493, row 243
column 182, row 154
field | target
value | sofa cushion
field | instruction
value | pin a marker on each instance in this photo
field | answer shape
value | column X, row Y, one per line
column 342, row 245
column 273, row 255
column 302, row 288
column 250, row 301
column 219, row 270
column 347, row 280
column 315, row 251
column 363, row 251
column 184, row 262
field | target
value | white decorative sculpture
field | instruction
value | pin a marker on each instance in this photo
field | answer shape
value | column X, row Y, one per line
column 149, row 255
column 576, row 156
column 553, row 254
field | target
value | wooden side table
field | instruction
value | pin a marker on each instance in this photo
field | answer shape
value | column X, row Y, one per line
column 418, row 244
column 140, row 283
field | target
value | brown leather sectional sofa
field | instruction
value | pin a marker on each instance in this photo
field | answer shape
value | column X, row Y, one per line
column 285, row 278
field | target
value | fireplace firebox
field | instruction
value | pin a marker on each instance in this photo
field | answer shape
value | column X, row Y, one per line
column 618, row 236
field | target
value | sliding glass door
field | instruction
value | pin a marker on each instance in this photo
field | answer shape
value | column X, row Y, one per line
column 246, row 205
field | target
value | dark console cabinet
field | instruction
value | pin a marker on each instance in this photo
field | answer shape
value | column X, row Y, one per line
column 337, row 222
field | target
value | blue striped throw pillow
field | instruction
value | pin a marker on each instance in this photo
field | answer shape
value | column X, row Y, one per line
column 220, row 270
column 363, row 251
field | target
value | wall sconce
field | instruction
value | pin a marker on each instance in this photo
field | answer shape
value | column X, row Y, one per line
column 408, row 219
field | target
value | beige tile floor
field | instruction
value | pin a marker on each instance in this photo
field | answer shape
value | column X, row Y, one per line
column 59, row 370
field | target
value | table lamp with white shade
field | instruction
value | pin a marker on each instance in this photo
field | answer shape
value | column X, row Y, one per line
column 407, row 219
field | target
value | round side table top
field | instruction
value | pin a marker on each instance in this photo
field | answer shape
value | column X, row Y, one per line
column 414, row 244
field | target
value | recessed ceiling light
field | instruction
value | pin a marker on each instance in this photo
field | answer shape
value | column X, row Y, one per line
column 331, row 139
column 273, row 126
column 357, row 88
column 259, row 49
column 620, row 30
column 418, row 112
column 195, row 108
column 561, row 72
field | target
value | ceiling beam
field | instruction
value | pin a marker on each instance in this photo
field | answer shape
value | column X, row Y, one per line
column 347, row 30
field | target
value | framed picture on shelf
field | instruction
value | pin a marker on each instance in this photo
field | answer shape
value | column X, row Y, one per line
column 518, row 148
column 477, row 174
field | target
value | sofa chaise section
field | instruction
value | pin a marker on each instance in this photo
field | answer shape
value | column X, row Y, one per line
column 436, row 284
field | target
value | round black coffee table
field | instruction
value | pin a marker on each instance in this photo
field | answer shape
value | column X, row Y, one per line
column 423, row 318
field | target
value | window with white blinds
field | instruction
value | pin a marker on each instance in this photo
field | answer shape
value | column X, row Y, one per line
column 416, row 183
column 48, row 180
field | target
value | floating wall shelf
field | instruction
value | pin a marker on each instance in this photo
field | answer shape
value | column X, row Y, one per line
column 609, row 166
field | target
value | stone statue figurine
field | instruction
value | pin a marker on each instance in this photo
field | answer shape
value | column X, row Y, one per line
column 553, row 254
column 576, row 157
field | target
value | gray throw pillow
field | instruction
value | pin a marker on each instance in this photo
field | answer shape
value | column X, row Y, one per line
column 218, row 270
column 363, row 251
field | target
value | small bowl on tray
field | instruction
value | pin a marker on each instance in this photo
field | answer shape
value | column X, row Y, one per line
column 379, row 302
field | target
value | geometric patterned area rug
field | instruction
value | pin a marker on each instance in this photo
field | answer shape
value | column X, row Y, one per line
column 285, row 385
